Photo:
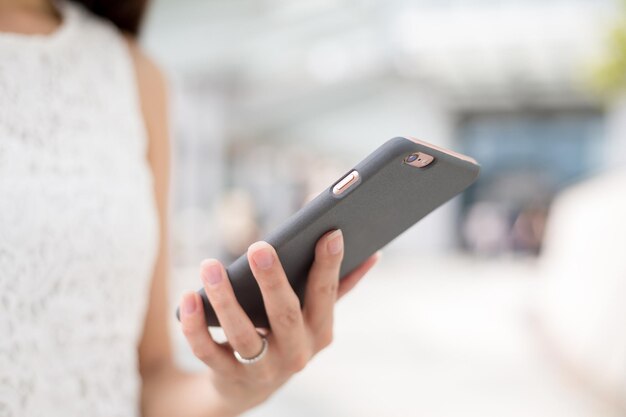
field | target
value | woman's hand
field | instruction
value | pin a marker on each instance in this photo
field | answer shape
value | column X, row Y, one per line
column 296, row 335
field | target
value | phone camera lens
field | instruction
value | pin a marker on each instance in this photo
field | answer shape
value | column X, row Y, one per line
column 419, row 160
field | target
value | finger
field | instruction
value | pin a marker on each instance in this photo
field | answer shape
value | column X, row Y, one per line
column 350, row 281
column 234, row 321
column 323, row 282
column 197, row 334
column 281, row 302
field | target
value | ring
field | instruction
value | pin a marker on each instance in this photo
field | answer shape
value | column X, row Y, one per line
column 254, row 359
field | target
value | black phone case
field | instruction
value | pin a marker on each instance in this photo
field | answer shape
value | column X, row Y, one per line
column 389, row 197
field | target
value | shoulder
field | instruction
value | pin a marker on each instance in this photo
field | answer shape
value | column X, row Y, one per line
column 147, row 71
column 151, row 82
column 152, row 91
column 101, row 33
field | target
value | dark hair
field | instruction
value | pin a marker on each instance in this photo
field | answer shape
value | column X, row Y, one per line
column 127, row 15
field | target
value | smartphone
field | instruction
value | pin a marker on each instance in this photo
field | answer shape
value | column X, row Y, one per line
column 373, row 203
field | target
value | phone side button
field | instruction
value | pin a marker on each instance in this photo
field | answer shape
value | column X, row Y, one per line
column 346, row 183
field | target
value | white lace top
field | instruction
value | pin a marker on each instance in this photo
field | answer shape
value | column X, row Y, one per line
column 78, row 224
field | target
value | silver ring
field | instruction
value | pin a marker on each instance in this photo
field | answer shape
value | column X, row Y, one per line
column 254, row 359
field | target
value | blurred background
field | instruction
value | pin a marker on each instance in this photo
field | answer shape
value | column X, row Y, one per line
column 518, row 305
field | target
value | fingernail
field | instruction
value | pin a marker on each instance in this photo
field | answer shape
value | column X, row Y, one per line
column 335, row 242
column 212, row 273
column 263, row 258
column 189, row 303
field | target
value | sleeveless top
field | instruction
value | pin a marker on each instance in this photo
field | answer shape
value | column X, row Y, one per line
column 78, row 222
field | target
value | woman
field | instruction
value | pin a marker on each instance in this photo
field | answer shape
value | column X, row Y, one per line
column 84, row 165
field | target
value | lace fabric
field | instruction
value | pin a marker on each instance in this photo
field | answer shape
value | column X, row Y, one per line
column 78, row 223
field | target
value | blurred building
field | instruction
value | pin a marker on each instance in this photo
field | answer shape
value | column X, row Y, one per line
column 275, row 99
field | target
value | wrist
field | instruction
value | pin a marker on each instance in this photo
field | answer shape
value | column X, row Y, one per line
column 232, row 397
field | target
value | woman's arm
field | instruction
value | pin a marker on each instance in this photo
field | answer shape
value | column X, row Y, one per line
column 227, row 387
column 166, row 391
